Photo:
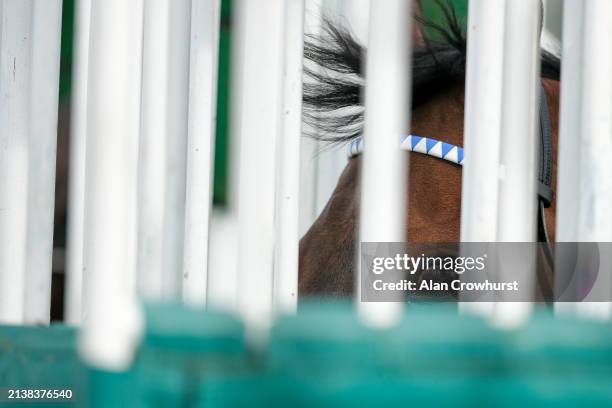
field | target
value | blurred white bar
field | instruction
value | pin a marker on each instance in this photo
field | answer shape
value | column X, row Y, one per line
column 205, row 23
column 594, row 223
column 162, row 154
column 260, row 126
column 570, row 122
column 287, row 199
column 235, row 105
column 178, row 111
column 570, row 119
column 29, row 75
column 483, row 98
column 309, row 148
column 482, row 133
column 15, row 88
column 517, row 215
column 112, row 318
column 387, row 117
column 221, row 293
column 222, row 276
column 76, row 176
column 585, row 130
column 152, row 154
column 44, row 76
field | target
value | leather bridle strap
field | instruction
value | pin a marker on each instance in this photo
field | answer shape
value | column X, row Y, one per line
column 545, row 191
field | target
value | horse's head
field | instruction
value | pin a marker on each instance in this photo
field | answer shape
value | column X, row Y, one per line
column 327, row 251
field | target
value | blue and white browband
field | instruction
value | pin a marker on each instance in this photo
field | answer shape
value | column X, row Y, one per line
column 418, row 144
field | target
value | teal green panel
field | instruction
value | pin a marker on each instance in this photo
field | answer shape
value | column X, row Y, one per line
column 432, row 11
column 324, row 356
column 41, row 358
column 66, row 50
column 182, row 348
column 223, row 104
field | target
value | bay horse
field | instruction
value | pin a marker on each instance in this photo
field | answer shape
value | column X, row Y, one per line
column 333, row 106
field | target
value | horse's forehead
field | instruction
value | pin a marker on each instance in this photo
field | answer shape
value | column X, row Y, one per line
column 442, row 116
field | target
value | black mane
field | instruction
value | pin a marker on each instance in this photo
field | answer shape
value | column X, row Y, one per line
column 333, row 89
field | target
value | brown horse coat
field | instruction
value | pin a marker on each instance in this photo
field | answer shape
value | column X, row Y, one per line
column 327, row 251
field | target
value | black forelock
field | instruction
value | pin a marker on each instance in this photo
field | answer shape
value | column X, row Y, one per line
column 333, row 106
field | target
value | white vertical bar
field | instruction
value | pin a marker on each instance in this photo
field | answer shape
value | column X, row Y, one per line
column 15, row 60
column 162, row 150
column 309, row 157
column 112, row 320
column 570, row 122
column 570, row 119
column 176, row 144
column 152, row 154
column 205, row 24
column 222, row 276
column 288, row 174
column 29, row 75
column 78, row 140
column 221, row 292
column 483, row 100
column 261, row 95
column 482, row 128
column 235, row 107
column 44, row 77
column 517, row 215
column 387, row 115
column 595, row 183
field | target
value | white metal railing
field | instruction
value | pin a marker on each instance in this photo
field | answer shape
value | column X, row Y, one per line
column 383, row 180
column 585, row 145
column 205, row 23
column 143, row 124
column 517, row 173
column 29, row 80
column 76, row 179
column 570, row 119
column 163, row 141
column 288, row 156
column 499, row 190
column 260, row 123
column 110, row 230
column 482, row 126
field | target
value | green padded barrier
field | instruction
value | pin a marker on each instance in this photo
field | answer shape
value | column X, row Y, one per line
column 325, row 357
column 435, row 358
column 41, row 358
column 181, row 348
